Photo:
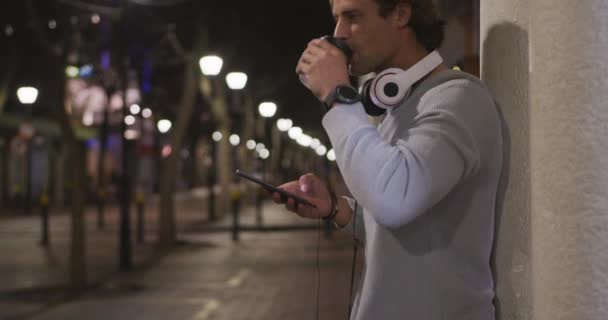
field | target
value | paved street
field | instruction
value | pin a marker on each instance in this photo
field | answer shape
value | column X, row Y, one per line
column 266, row 275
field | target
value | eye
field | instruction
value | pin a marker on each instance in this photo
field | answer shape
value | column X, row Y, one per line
column 351, row 16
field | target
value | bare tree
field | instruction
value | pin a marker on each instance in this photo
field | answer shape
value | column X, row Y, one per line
column 167, row 228
column 55, row 56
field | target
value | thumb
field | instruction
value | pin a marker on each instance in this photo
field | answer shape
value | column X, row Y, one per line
column 306, row 182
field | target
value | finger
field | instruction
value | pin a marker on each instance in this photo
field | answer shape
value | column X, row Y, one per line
column 315, row 49
column 293, row 186
column 304, row 61
column 291, row 205
column 316, row 43
column 303, row 67
column 306, row 182
column 276, row 197
column 306, row 210
column 308, row 57
column 329, row 48
column 323, row 44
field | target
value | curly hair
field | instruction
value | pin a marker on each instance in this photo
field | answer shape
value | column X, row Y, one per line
column 425, row 20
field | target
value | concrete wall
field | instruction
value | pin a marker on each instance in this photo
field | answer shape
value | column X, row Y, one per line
column 569, row 157
column 504, row 67
column 547, row 63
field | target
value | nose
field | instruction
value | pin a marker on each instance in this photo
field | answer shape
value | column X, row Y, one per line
column 342, row 30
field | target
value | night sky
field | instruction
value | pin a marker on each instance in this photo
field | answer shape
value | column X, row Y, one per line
column 263, row 38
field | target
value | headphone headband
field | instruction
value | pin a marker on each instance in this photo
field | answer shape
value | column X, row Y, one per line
column 419, row 70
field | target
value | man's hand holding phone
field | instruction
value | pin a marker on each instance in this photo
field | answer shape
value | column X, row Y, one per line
column 311, row 188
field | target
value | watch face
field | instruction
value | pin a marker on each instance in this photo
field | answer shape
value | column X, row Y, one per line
column 348, row 93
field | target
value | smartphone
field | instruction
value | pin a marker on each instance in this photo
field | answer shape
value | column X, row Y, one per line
column 284, row 194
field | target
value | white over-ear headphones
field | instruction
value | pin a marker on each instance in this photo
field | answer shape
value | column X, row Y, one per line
column 388, row 89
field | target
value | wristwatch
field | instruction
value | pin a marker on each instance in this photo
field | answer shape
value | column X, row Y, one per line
column 342, row 93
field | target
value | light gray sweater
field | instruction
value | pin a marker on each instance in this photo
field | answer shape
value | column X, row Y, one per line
column 427, row 180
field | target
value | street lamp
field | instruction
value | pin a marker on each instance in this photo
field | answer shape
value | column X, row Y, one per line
column 164, row 125
column 264, row 154
column 72, row 71
column 295, row 132
column 267, row 109
column 284, row 124
column 304, row 140
column 211, row 65
column 217, row 136
column 146, row 113
column 235, row 140
column 27, row 95
column 135, row 108
column 130, row 120
column 236, row 80
column 251, row 144
column 321, row 150
column 331, row 155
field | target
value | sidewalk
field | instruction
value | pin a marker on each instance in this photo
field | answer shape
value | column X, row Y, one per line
column 33, row 276
column 264, row 276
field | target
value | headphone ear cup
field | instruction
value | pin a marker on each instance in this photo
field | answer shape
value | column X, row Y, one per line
column 368, row 104
column 386, row 90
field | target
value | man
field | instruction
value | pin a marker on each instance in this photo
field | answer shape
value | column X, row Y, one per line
column 424, row 182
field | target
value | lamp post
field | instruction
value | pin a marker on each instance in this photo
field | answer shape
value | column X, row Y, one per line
column 266, row 110
column 283, row 125
column 210, row 67
column 236, row 81
column 27, row 96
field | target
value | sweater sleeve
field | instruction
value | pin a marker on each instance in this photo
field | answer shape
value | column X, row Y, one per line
column 400, row 181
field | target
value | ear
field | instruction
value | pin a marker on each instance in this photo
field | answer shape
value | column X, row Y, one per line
column 403, row 13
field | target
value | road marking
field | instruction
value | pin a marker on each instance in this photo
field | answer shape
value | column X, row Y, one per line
column 238, row 278
column 207, row 309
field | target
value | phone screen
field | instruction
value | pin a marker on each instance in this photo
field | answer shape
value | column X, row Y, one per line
column 284, row 194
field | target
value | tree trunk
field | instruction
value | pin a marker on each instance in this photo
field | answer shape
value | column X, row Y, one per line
column 214, row 92
column 167, row 224
column 76, row 154
column 77, row 231
column 245, row 156
column 56, row 58
column 6, row 80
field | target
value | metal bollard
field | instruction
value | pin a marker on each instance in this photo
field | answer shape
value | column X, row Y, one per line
column 259, row 220
column 139, row 202
column 211, row 208
column 101, row 201
column 235, row 195
column 44, row 206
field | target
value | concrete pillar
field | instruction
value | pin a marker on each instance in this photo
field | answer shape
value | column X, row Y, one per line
column 549, row 72
column 569, row 158
column 504, row 68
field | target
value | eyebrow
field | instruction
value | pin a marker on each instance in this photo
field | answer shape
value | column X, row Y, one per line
column 348, row 12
